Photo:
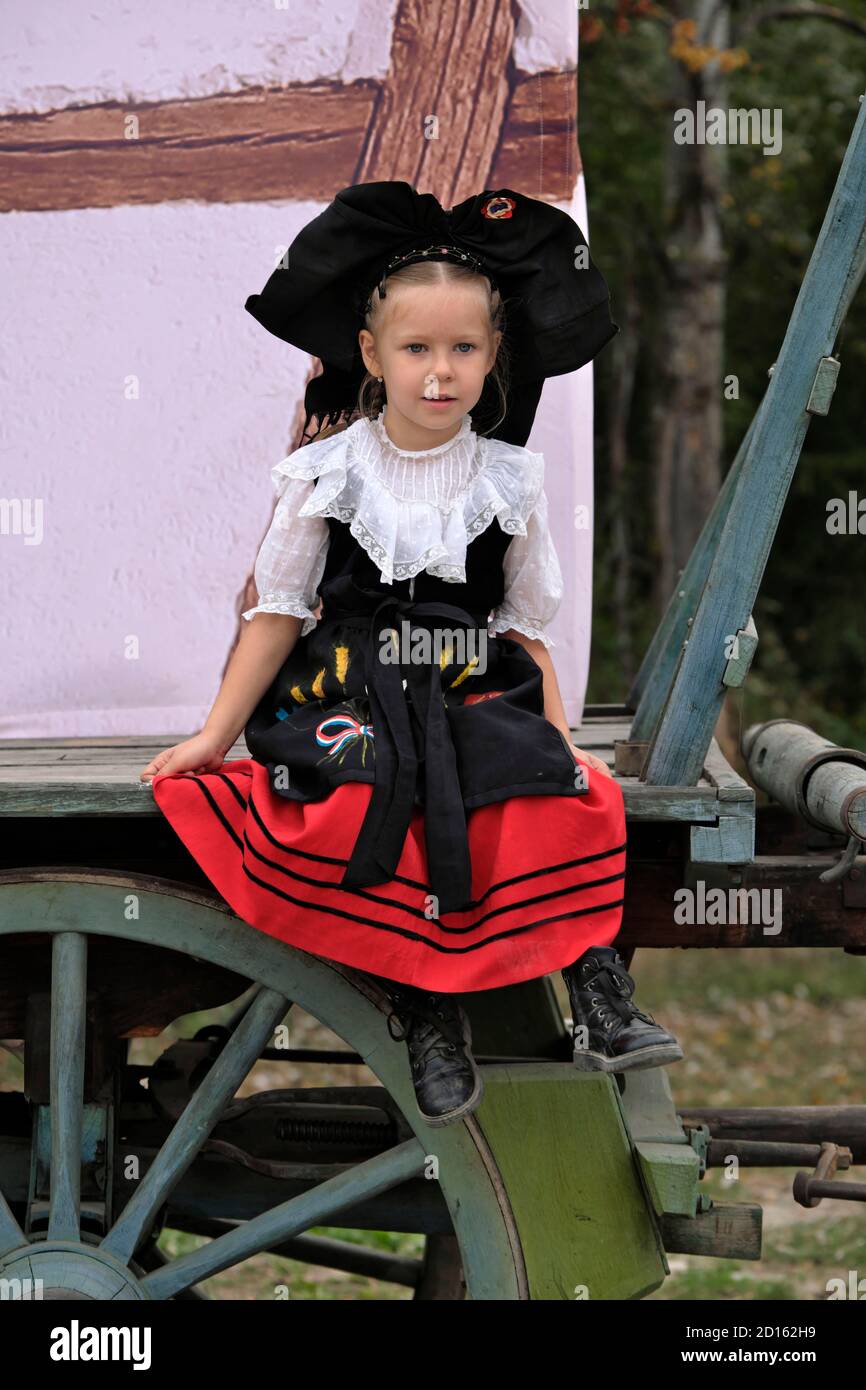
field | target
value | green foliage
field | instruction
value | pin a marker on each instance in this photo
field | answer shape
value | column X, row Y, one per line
column 812, row 653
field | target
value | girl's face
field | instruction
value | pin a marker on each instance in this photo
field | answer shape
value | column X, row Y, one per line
column 434, row 349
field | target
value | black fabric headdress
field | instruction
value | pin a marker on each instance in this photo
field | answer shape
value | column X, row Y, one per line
column 557, row 304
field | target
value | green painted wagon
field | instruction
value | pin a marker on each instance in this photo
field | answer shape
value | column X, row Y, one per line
column 563, row 1184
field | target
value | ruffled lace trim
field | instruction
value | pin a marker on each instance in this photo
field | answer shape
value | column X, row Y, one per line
column 280, row 601
column 388, row 446
column 530, row 627
column 406, row 535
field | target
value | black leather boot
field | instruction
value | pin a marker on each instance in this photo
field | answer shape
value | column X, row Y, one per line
column 448, row 1084
column 610, row 1033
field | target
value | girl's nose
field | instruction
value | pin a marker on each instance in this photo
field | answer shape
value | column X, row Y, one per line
column 442, row 371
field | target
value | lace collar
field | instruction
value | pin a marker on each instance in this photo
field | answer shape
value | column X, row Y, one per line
column 439, row 476
column 414, row 510
column 460, row 443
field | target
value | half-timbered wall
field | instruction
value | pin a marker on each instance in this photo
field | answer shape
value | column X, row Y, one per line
column 155, row 161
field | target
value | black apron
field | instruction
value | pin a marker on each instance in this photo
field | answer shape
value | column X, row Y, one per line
column 339, row 710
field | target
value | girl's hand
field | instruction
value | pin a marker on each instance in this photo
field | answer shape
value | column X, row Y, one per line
column 203, row 753
column 591, row 759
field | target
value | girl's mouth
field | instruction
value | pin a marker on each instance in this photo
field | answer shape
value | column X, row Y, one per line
column 439, row 400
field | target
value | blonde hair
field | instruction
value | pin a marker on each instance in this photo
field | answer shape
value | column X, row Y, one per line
column 371, row 395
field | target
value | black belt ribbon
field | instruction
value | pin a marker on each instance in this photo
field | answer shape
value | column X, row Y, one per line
column 383, row 831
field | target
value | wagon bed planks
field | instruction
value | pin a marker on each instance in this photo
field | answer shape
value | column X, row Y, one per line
column 99, row 776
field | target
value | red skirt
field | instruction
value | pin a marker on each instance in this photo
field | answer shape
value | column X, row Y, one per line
column 547, row 877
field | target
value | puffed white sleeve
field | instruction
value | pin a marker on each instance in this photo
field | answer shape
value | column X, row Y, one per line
column 533, row 580
column 291, row 558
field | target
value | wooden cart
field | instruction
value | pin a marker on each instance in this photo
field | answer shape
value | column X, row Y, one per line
column 563, row 1184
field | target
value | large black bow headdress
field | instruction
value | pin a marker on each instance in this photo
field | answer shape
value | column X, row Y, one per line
column 557, row 304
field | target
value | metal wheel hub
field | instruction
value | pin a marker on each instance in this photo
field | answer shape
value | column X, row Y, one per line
column 66, row 1269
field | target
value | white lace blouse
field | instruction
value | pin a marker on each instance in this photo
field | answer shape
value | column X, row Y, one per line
column 411, row 510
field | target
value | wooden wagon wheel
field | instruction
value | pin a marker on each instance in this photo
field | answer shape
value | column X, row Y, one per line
column 74, row 908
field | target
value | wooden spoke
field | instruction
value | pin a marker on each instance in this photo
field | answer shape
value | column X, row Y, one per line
column 314, row 1208
column 154, row 1258
column 68, row 1017
column 77, row 911
column 195, row 1124
column 11, row 1234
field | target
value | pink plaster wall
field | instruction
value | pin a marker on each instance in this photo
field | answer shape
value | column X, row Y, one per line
column 143, row 408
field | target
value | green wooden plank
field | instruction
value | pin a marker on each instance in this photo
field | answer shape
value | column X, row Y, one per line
column 562, row 1147
column 652, row 682
column 690, row 713
column 671, row 1173
column 648, row 1106
column 118, row 793
column 730, row 841
column 71, row 778
column 729, row 1231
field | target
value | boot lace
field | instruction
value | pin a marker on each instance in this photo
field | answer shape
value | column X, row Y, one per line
column 622, row 988
column 444, row 1034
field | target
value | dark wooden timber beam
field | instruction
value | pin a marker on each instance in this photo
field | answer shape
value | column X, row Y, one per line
column 299, row 143
column 446, row 97
column 812, row 913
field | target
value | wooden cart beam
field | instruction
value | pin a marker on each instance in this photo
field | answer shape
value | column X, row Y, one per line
column 690, row 713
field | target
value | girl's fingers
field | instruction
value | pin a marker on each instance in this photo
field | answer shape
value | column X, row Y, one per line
column 593, row 761
column 157, row 765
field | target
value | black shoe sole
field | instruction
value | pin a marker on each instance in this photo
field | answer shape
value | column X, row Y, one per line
column 658, row 1055
column 459, row 1112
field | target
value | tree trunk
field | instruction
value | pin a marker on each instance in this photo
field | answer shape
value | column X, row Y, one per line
column 621, row 364
column 687, row 408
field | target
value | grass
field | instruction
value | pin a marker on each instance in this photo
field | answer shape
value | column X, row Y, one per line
column 765, row 1027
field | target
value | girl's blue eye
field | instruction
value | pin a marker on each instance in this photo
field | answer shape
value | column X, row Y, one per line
column 410, row 346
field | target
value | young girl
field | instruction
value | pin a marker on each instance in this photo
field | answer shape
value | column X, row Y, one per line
column 410, row 738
